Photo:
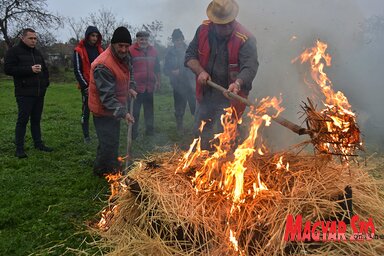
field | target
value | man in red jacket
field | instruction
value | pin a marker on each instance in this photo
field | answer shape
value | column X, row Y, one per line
column 109, row 91
column 225, row 52
column 146, row 67
column 85, row 53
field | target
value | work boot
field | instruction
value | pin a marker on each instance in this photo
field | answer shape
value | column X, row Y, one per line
column 44, row 148
column 20, row 153
column 87, row 140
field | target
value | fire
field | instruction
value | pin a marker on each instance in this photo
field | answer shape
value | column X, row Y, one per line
column 117, row 185
column 336, row 125
column 233, row 240
column 224, row 169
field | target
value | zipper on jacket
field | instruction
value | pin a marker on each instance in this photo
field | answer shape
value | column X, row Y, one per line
column 38, row 78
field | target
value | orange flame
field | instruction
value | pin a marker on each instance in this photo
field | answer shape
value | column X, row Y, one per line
column 117, row 185
column 339, row 119
column 224, row 169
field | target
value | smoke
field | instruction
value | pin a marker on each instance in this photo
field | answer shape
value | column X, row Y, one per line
column 284, row 29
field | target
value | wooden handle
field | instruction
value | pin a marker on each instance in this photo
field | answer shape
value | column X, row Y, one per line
column 280, row 120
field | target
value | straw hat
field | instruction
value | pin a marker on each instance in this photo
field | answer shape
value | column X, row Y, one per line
column 222, row 11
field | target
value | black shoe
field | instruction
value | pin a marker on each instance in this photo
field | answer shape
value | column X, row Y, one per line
column 20, row 153
column 44, row 148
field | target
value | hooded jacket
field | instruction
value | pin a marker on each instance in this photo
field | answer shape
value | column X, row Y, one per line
column 18, row 63
column 84, row 55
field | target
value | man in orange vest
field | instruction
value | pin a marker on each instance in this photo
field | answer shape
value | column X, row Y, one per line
column 85, row 53
column 146, row 67
column 223, row 51
column 109, row 91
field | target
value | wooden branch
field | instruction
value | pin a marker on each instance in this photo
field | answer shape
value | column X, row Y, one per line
column 280, row 120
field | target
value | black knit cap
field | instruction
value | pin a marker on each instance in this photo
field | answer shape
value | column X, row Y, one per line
column 121, row 35
column 142, row 34
column 177, row 34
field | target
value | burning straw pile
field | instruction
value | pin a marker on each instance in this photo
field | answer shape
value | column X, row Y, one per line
column 161, row 213
column 243, row 200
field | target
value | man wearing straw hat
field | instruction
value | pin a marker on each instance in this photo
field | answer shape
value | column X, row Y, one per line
column 224, row 52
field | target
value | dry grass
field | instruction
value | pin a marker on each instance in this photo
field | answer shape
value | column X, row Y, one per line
column 160, row 213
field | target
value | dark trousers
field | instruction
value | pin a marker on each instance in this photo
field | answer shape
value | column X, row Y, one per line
column 209, row 113
column 85, row 114
column 180, row 100
column 29, row 108
column 108, row 134
column 145, row 99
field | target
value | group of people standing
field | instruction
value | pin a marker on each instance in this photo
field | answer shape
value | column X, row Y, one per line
column 222, row 50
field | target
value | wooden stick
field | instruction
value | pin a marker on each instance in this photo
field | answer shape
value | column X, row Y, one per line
column 129, row 135
column 280, row 120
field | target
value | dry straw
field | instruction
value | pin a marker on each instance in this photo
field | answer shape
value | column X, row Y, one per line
column 160, row 212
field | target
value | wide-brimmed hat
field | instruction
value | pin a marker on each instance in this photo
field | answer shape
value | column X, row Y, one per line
column 222, row 11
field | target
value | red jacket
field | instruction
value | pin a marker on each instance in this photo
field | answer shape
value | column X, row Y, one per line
column 121, row 74
column 144, row 67
column 85, row 63
column 238, row 37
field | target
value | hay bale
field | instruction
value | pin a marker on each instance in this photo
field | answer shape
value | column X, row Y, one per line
column 161, row 213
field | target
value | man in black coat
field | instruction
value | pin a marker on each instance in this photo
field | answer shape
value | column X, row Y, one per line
column 30, row 76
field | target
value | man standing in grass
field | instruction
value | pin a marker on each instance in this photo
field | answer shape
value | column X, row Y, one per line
column 30, row 76
column 109, row 92
column 146, row 67
column 224, row 52
column 85, row 53
column 181, row 78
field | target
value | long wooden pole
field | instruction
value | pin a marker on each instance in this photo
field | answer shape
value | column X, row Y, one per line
column 129, row 136
column 280, row 120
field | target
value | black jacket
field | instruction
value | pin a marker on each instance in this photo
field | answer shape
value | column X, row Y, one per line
column 18, row 63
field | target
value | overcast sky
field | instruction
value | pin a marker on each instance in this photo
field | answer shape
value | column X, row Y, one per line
column 357, row 64
column 188, row 14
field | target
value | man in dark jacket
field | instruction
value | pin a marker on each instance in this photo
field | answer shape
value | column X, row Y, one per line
column 85, row 53
column 181, row 78
column 225, row 52
column 30, row 76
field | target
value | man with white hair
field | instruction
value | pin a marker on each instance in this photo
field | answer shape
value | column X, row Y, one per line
column 224, row 52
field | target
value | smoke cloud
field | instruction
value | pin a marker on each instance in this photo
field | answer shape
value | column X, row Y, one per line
column 284, row 29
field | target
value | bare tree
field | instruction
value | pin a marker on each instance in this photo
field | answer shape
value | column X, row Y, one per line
column 78, row 27
column 105, row 20
column 16, row 14
column 154, row 28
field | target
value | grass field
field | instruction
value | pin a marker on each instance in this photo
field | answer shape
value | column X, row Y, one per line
column 47, row 199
